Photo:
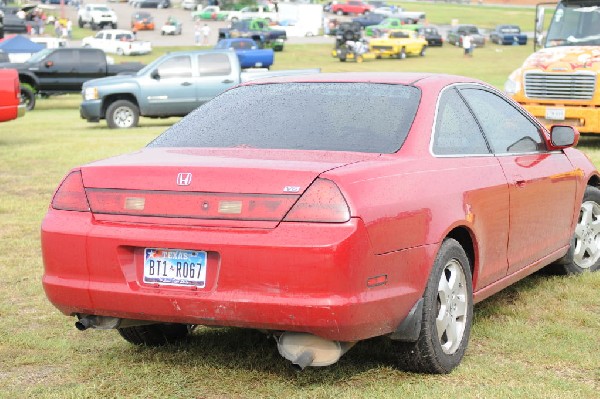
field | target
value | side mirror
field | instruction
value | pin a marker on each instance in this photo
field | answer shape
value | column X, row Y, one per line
column 562, row 136
column 155, row 74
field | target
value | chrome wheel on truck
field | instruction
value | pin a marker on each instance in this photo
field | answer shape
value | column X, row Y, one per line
column 122, row 114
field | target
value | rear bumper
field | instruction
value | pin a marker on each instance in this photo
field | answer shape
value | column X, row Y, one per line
column 297, row 277
column 585, row 119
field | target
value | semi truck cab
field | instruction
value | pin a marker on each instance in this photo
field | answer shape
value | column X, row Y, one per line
column 559, row 83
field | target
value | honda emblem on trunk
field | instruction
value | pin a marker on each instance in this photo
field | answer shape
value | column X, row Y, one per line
column 184, row 179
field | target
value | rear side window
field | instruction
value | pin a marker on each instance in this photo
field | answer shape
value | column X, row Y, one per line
column 360, row 117
column 456, row 131
column 214, row 65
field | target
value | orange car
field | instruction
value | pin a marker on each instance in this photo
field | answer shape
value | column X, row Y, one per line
column 142, row 21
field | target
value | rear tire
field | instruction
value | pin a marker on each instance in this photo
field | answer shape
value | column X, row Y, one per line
column 154, row 334
column 584, row 253
column 122, row 114
column 447, row 315
column 28, row 97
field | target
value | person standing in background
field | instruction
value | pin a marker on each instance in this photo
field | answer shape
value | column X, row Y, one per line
column 205, row 34
column 467, row 44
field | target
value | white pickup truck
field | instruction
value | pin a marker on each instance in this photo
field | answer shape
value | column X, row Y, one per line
column 117, row 41
column 259, row 11
column 97, row 16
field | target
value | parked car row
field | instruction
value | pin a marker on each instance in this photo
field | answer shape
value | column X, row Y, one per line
column 502, row 34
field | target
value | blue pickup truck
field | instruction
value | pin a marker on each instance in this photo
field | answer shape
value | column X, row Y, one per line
column 172, row 85
column 248, row 53
column 508, row 34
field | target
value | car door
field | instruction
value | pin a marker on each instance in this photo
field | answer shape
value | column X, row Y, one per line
column 542, row 183
column 56, row 72
column 215, row 75
column 91, row 65
column 467, row 166
column 170, row 88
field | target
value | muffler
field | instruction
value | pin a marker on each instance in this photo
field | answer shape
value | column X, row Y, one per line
column 107, row 323
column 305, row 350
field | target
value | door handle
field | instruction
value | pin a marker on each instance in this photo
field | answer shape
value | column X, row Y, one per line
column 227, row 81
column 186, row 84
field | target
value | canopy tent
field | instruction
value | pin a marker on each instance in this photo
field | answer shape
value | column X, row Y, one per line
column 19, row 44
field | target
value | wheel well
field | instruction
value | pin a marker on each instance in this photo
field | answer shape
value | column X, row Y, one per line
column 594, row 181
column 115, row 97
column 462, row 235
column 27, row 80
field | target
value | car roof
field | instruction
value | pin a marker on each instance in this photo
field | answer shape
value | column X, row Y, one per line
column 402, row 78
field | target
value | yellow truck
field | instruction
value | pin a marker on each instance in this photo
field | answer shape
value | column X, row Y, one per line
column 559, row 83
column 398, row 44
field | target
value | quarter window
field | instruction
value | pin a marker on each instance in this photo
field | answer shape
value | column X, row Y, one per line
column 506, row 128
column 456, row 132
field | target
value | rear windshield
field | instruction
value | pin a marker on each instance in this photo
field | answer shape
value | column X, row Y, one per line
column 359, row 117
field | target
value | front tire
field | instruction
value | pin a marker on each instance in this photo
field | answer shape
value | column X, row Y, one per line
column 154, row 334
column 584, row 253
column 402, row 54
column 28, row 97
column 422, row 53
column 122, row 114
column 447, row 315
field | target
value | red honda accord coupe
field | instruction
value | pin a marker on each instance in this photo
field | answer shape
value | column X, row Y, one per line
column 326, row 210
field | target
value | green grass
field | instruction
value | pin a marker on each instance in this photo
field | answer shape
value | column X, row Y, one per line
column 536, row 339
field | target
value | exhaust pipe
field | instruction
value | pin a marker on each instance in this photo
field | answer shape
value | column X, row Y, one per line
column 107, row 323
column 305, row 350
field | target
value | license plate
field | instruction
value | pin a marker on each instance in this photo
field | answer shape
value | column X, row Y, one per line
column 175, row 267
column 557, row 114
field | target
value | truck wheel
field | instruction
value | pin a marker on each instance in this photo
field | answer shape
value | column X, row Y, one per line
column 122, row 114
column 114, row 25
column 80, row 23
column 28, row 97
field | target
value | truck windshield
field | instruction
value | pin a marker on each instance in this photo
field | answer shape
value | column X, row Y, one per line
column 358, row 117
column 575, row 24
column 40, row 55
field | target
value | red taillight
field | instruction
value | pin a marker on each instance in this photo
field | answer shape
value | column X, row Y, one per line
column 71, row 194
column 322, row 202
column 196, row 205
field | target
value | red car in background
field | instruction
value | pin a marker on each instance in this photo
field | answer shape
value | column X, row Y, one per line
column 10, row 95
column 351, row 7
column 142, row 20
column 338, row 208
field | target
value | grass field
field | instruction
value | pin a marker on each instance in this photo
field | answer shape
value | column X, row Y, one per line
column 536, row 339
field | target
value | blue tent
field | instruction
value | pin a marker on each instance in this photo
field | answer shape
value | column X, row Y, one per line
column 20, row 44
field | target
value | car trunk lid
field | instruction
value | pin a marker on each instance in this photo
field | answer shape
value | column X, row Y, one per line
column 216, row 187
